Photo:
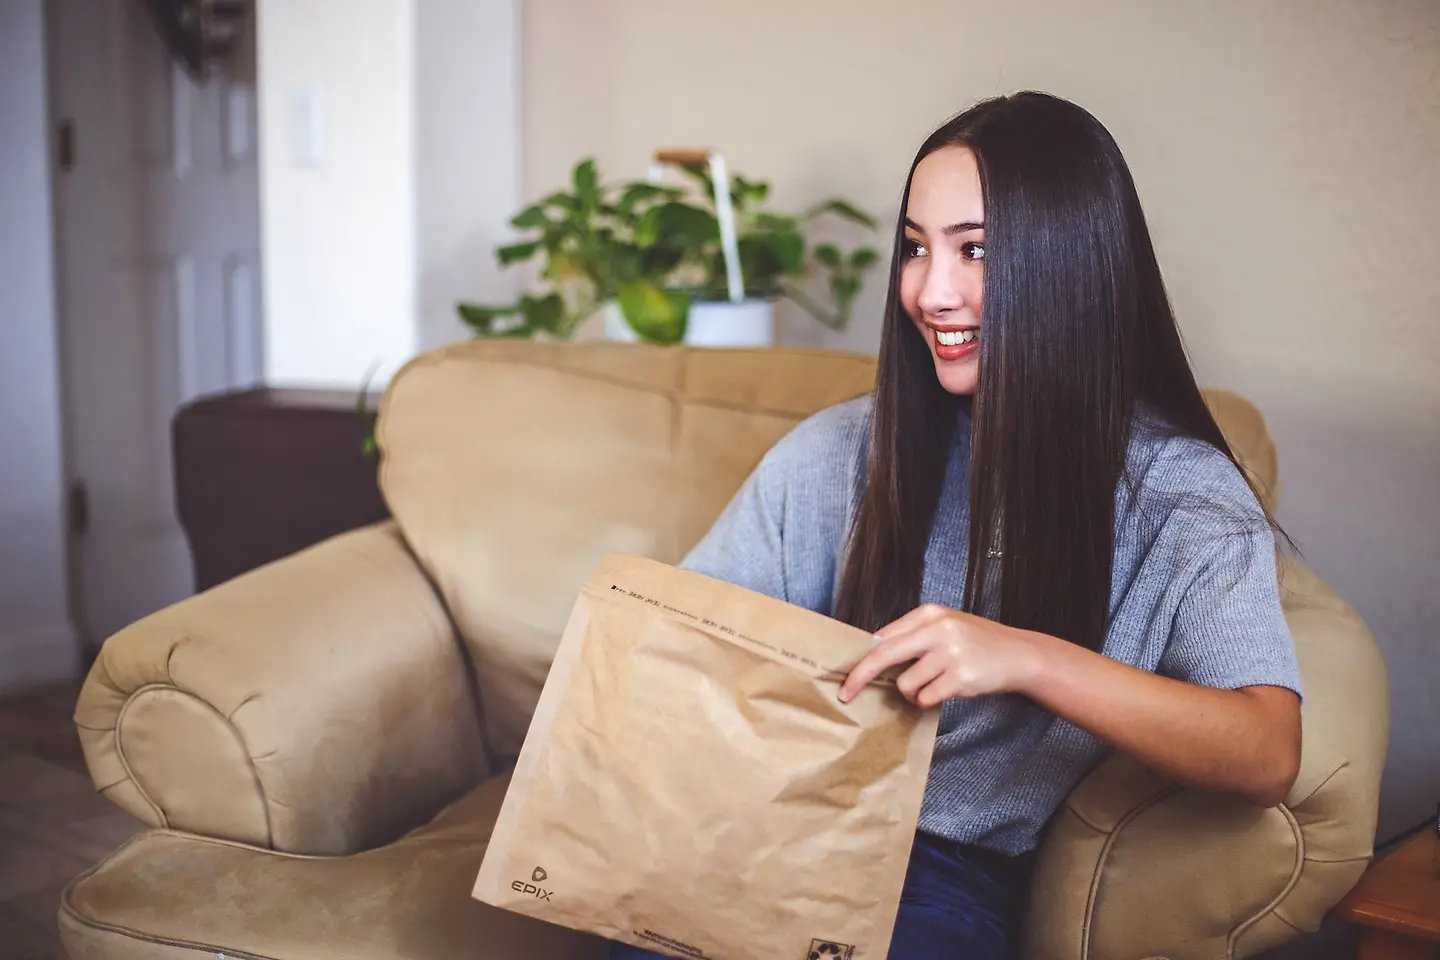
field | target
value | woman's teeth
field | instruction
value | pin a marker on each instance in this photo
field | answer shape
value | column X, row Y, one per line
column 953, row 338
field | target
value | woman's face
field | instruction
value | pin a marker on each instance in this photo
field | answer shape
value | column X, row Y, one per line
column 942, row 273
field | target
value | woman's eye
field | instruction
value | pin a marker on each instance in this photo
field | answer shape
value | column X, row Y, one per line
column 972, row 251
column 914, row 249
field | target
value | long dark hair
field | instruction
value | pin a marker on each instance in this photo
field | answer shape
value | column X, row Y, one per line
column 1076, row 334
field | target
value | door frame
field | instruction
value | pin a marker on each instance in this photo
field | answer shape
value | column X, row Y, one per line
column 243, row 354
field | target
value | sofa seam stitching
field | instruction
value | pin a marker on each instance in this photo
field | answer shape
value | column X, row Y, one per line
column 67, row 907
column 1085, row 820
column 1093, row 896
column 442, row 623
column 642, row 387
column 191, row 945
column 226, row 722
column 120, row 750
column 252, row 847
column 1273, row 906
column 677, row 422
column 1321, row 785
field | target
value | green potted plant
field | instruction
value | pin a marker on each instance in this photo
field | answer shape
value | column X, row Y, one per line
column 773, row 254
column 655, row 261
column 595, row 250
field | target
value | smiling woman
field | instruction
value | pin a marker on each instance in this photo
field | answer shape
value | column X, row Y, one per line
column 1049, row 524
column 942, row 283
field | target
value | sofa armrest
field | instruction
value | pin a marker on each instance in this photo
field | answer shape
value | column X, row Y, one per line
column 320, row 704
column 1134, row 865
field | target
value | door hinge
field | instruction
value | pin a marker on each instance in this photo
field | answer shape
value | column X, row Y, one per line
column 78, row 509
column 65, row 146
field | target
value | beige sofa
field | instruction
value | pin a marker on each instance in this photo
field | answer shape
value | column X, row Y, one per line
column 320, row 744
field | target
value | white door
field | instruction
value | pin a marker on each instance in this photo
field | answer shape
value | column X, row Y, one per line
column 158, row 227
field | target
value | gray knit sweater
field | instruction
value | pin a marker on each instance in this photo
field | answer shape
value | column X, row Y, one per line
column 1194, row 597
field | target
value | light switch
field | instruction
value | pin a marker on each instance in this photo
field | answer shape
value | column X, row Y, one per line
column 307, row 129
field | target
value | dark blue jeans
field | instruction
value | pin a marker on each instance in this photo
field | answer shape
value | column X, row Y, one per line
column 959, row 903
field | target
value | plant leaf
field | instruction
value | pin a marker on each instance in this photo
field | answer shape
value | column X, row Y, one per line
column 641, row 192
column 624, row 262
column 743, row 192
column 776, row 221
column 658, row 261
column 760, row 259
column 481, row 318
column 758, row 190
column 647, row 228
column 828, row 254
column 587, row 183
column 677, row 226
column 686, row 225
column 516, row 252
column 543, row 313
column 563, row 266
column 531, row 218
column 863, row 258
column 562, row 200
column 517, row 331
column 656, row 315
column 843, row 209
column 789, row 247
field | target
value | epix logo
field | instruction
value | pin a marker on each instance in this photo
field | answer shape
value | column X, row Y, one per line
column 533, row 889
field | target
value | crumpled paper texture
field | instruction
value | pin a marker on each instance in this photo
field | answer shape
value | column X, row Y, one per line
column 692, row 784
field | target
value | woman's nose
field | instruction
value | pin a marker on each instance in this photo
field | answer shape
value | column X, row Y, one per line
column 941, row 293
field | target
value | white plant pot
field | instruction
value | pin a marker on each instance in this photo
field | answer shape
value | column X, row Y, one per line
column 712, row 323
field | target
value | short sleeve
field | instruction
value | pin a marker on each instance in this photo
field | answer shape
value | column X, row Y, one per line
column 1229, row 629
column 782, row 532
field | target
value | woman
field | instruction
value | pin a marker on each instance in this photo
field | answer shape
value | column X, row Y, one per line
column 1035, row 511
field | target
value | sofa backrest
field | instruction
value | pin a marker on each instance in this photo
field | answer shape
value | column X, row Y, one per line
column 512, row 467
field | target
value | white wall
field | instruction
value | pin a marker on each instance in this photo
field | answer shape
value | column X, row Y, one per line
column 1286, row 153
column 467, row 111
column 36, row 639
column 338, row 226
column 369, row 245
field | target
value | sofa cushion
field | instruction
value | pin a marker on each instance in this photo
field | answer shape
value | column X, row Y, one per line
column 512, row 468
column 173, row 896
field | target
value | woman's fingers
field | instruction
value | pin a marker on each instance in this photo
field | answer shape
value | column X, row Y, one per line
column 937, row 691
column 959, row 655
column 922, row 615
column 887, row 654
column 922, row 674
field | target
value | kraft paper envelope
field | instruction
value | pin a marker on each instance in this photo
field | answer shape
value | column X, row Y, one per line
column 692, row 784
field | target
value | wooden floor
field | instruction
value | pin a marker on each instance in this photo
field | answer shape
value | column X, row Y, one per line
column 53, row 825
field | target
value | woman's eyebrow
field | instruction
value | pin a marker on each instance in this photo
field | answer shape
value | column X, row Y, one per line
column 964, row 226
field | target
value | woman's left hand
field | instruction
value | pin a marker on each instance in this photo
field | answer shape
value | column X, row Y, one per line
column 955, row 655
